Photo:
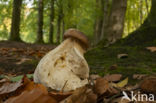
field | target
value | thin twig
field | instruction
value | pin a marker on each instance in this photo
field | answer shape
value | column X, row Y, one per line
column 64, row 86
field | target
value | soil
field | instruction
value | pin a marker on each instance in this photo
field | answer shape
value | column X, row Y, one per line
column 21, row 58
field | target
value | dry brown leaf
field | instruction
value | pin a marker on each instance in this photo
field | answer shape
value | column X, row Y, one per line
column 120, row 100
column 7, row 88
column 4, row 80
column 30, row 85
column 101, row 86
column 149, row 84
column 78, row 93
column 34, row 96
column 152, row 49
column 139, row 76
column 94, row 76
column 131, row 87
column 91, row 97
column 112, row 91
column 122, row 56
column 113, row 67
column 59, row 96
column 81, row 95
column 113, row 77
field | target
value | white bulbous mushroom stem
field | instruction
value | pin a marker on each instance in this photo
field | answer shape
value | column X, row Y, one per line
column 66, row 63
column 79, row 48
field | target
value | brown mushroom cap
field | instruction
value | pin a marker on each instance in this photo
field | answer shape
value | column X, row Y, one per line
column 81, row 37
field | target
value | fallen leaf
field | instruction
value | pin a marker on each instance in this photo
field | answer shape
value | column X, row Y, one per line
column 152, row 49
column 113, row 67
column 91, row 97
column 34, row 96
column 7, row 88
column 131, row 87
column 112, row 91
column 122, row 83
column 59, row 96
column 122, row 56
column 101, row 86
column 4, row 80
column 81, row 95
column 120, row 100
column 139, row 76
column 113, row 77
column 94, row 76
column 148, row 84
column 30, row 85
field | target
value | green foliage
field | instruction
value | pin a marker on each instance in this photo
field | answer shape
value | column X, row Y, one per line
column 28, row 24
column 135, row 9
column 80, row 14
column 5, row 18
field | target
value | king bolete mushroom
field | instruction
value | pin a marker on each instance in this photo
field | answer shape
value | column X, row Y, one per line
column 65, row 68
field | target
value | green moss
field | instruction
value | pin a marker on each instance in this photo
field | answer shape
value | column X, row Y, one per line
column 31, row 62
column 139, row 61
column 144, row 36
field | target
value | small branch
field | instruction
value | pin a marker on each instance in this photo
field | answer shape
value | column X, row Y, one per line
column 64, row 86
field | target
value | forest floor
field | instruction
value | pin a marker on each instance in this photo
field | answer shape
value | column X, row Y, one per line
column 136, row 64
column 135, row 60
column 22, row 58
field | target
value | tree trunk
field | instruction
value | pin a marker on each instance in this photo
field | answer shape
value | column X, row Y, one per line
column 151, row 19
column 40, row 22
column 146, row 33
column 15, row 25
column 58, row 29
column 147, row 6
column 141, row 11
column 97, row 30
column 106, row 16
column 59, row 21
column 98, row 22
column 51, row 31
column 63, row 29
column 115, row 24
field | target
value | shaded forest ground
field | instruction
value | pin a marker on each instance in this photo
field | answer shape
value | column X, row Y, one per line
column 20, row 58
column 139, row 61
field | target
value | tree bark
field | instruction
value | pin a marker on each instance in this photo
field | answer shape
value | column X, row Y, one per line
column 40, row 22
column 98, row 21
column 15, row 25
column 106, row 16
column 58, row 29
column 59, row 21
column 141, row 11
column 151, row 19
column 147, row 6
column 97, row 30
column 51, row 29
column 63, row 29
column 145, row 34
column 115, row 24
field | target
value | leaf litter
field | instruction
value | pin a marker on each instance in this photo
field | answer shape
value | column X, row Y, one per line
column 107, row 89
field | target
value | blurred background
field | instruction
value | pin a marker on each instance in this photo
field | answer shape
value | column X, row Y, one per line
column 44, row 21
